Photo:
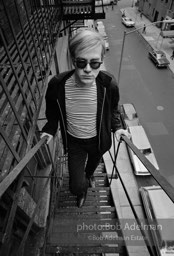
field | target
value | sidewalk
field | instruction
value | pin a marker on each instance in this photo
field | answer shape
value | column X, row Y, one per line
column 152, row 35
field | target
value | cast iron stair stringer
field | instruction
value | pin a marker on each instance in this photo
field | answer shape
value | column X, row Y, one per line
column 79, row 230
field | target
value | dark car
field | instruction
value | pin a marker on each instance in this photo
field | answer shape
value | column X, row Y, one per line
column 159, row 58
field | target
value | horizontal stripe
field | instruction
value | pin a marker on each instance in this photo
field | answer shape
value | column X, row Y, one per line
column 81, row 109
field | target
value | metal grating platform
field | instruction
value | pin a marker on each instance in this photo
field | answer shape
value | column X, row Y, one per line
column 87, row 230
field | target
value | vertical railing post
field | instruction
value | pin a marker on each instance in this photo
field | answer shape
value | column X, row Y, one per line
column 121, row 58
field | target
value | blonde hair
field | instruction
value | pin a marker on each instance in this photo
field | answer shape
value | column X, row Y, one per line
column 84, row 40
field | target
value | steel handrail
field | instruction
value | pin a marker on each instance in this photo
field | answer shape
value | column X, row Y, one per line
column 114, row 159
column 8, row 180
column 165, row 185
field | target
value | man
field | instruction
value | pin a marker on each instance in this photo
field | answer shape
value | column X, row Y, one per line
column 112, row 4
column 85, row 101
column 144, row 29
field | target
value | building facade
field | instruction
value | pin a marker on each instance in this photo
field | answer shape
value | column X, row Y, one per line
column 157, row 10
column 33, row 47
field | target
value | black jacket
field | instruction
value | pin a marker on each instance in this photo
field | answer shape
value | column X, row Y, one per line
column 108, row 117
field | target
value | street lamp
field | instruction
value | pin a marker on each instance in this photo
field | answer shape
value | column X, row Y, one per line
column 132, row 31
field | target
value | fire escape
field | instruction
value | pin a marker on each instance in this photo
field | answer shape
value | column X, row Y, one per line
column 77, row 11
column 30, row 31
column 81, row 9
column 33, row 35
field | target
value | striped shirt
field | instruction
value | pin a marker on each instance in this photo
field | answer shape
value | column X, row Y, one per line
column 81, row 109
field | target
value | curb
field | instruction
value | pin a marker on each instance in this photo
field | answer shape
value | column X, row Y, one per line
column 149, row 45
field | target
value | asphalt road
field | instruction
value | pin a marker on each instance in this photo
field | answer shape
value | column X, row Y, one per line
column 151, row 90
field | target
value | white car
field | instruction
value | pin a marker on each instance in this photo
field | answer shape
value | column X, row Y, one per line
column 101, row 31
column 140, row 140
column 128, row 22
column 105, row 37
column 106, row 42
column 129, row 115
column 100, row 26
column 159, row 210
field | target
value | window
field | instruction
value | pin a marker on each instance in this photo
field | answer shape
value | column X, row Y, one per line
column 146, row 151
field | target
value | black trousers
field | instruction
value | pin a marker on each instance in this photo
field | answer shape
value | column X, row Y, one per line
column 83, row 159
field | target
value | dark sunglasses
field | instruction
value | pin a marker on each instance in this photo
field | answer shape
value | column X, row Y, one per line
column 80, row 63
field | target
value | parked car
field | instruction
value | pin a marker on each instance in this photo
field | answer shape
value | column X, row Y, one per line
column 105, row 37
column 106, row 42
column 140, row 140
column 100, row 25
column 102, row 33
column 128, row 22
column 129, row 115
column 159, row 210
column 159, row 58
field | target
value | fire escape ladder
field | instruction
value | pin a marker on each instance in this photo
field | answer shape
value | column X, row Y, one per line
column 81, row 9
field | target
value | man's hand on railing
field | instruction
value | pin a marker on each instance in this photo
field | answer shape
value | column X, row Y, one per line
column 49, row 136
column 120, row 132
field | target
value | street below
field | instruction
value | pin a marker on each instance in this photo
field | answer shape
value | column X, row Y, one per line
column 150, row 89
